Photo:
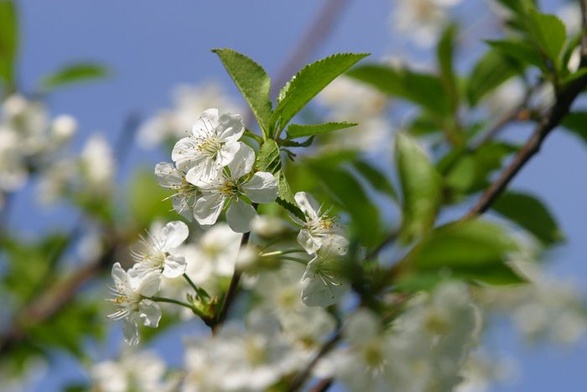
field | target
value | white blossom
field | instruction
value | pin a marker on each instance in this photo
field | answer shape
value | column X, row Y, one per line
column 230, row 186
column 318, row 228
column 212, row 145
column 186, row 194
column 172, row 123
column 421, row 21
column 133, row 371
column 158, row 252
column 133, row 306
column 323, row 282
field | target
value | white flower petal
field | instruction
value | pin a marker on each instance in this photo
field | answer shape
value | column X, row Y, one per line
column 230, row 127
column 131, row 331
column 185, row 153
column 308, row 205
column 174, row 266
column 239, row 216
column 208, row 208
column 168, row 176
column 243, row 161
column 310, row 243
column 148, row 284
column 173, row 235
column 119, row 275
column 321, row 285
column 149, row 313
column 228, row 153
column 261, row 188
column 206, row 121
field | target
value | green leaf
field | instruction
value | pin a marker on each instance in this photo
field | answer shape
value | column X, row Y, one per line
column 73, row 73
column 252, row 81
column 422, row 89
column 295, row 131
column 375, row 178
column 490, row 72
column 473, row 250
column 348, row 193
column 8, row 41
column 269, row 159
column 308, row 82
column 445, row 54
column 576, row 124
column 518, row 6
column 421, row 188
column 531, row 214
column 285, row 196
column 148, row 200
column 519, row 50
column 548, row 33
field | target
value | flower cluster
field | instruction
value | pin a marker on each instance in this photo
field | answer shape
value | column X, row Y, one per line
column 323, row 237
column 213, row 171
column 134, row 289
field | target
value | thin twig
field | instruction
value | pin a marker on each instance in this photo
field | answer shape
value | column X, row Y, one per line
column 302, row 376
column 554, row 116
column 231, row 292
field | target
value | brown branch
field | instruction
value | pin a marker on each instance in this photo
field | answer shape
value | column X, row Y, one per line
column 231, row 292
column 303, row 375
column 550, row 121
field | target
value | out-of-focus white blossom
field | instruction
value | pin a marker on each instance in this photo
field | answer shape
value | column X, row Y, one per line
column 175, row 122
column 350, row 100
column 547, row 307
column 423, row 350
column 421, row 21
column 323, row 282
column 237, row 359
column 280, row 293
column 97, row 163
column 133, row 371
column 208, row 261
column 63, row 128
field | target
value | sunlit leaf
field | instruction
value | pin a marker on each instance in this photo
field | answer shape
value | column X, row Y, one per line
column 420, row 186
column 308, row 82
column 252, row 81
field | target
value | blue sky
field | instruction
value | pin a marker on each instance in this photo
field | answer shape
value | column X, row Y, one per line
column 153, row 45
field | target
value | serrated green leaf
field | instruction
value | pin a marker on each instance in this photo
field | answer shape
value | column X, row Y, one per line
column 285, row 196
column 444, row 54
column 308, row 82
column 348, row 193
column 252, row 81
column 9, row 37
column 269, row 158
column 548, row 33
column 421, row 188
column 295, row 131
column 422, row 89
column 531, row 214
column 490, row 71
column 376, row 178
column 73, row 73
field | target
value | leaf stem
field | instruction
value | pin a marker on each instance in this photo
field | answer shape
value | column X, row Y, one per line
column 171, row 301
